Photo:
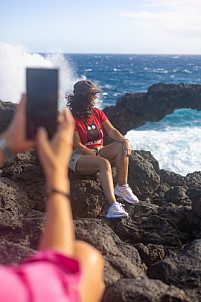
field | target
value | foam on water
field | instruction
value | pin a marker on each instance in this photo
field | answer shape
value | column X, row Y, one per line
column 13, row 62
column 176, row 147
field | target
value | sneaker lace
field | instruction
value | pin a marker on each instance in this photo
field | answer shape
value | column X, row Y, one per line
column 128, row 188
column 121, row 206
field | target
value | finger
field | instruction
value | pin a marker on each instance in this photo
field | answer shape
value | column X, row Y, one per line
column 60, row 118
column 68, row 116
column 20, row 108
column 67, row 121
column 41, row 137
column 23, row 99
column 43, row 146
column 22, row 104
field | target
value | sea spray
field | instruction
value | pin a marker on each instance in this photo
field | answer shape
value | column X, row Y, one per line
column 13, row 61
column 15, row 58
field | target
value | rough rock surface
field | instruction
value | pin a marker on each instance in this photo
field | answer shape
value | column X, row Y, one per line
column 154, row 255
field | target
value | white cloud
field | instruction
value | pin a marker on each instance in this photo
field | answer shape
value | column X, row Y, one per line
column 180, row 17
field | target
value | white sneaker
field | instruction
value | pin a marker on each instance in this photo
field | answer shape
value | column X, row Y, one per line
column 126, row 193
column 116, row 210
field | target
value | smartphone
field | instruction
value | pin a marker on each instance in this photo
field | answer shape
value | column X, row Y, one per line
column 42, row 100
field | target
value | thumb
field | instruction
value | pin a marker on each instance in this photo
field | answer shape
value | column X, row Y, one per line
column 43, row 146
column 41, row 136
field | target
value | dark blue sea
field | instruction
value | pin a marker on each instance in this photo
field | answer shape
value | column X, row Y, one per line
column 174, row 141
column 119, row 74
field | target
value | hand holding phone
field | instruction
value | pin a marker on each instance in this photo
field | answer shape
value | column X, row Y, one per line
column 42, row 100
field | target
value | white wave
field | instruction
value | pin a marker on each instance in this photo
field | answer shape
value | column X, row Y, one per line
column 176, row 150
column 187, row 71
column 160, row 70
column 197, row 67
column 107, row 86
column 13, row 61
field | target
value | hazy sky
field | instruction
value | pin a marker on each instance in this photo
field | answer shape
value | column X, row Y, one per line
column 105, row 26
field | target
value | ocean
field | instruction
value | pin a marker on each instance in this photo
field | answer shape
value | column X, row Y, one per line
column 175, row 141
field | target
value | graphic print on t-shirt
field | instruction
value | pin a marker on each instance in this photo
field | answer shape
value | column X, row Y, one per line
column 93, row 132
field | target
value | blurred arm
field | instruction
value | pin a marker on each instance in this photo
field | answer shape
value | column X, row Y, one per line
column 54, row 156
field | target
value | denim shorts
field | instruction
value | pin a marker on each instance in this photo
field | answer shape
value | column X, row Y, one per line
column 75, row 156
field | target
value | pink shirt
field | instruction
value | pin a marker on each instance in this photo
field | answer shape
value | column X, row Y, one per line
column 47, row 276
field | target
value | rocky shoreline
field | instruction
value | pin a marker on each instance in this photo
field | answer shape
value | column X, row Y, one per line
column 155, row 254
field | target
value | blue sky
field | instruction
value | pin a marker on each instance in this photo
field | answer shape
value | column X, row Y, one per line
column 106, row 26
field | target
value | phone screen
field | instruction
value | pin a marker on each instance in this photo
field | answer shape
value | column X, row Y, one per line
column 42, row 100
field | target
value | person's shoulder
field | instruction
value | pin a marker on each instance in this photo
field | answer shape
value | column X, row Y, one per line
column 98, row 111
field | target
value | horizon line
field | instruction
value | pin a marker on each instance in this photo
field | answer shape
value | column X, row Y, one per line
column 118, row 53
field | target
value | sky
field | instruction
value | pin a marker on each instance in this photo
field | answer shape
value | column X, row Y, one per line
column 106, row 26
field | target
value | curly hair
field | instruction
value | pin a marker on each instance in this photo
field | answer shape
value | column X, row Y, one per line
column 80, row 105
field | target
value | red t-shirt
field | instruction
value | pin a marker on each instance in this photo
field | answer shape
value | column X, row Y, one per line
column 91, row 131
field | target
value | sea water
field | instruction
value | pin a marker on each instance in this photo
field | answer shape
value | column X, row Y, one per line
column 175, row 141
